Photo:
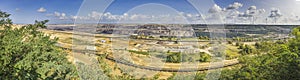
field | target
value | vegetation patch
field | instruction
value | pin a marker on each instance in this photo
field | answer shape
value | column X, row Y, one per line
column 139, row 52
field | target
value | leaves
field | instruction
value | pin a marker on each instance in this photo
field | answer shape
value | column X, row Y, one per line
column 26, row 53
column 281, row 61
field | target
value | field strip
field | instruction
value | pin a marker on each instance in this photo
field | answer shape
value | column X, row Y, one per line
column 227, row 63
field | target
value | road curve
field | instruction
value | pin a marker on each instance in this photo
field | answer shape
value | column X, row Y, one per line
column 209, row 67
column 227, row 64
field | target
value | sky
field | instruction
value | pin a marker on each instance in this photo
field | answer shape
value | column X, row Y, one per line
column 70, row 11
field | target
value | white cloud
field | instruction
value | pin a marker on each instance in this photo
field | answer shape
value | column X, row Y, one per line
column 251, row 12
column 57, row 14
column 41, row 10
column 235, row 5
column 252, row 8
column 136, row 18
column 230, row 14
column 275, row 12
column 215, row 9
column 63, row 14
column 17, row 9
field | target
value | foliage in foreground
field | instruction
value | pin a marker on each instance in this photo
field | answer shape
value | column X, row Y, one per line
column 278, row 61
column 26, row 53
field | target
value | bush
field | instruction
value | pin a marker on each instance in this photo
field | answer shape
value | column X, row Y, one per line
column 174, row 57
column 28, row 54
column 139, row 52
column 204, row 57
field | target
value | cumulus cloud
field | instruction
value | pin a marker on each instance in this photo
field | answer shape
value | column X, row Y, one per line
column 139, row 18
column 63, row 16
column 251, row 12
column 41, row 10
column 275, row 12
column 215, row 13
column 215, row 9
column 231, row 13
column 59, row 15
column 252, row 8
column 235, row 5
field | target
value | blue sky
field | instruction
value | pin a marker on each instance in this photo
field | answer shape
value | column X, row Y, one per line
column 25, row 11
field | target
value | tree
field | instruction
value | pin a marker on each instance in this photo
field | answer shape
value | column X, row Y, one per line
column 239, row 44
column 279, row 65
column 204, row 57
column 174, row 57
column 257, row 45
column 246, row 49
column 295, row 42
column 26, row 53
column 280, row 62
column 229, row 42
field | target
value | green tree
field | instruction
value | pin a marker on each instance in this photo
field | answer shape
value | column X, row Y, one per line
column 281, row 62
column 295, row 42
column 204, row 57
column 247, row 49
column 229, row 42
column 276, row 66
column 239, row 44
column 174, row 57
column 257, row 45
column 26, row 53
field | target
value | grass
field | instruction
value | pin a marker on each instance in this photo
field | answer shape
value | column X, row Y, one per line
column 67, row 40
column 139, row 52
column 232, row 52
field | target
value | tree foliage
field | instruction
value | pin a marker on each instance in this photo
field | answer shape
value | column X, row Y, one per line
column 246, row 49
column 174, row 57
column 26, row 53
column 204, row 57
column 281, row 61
